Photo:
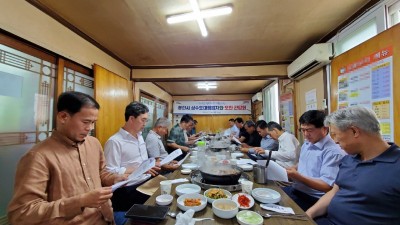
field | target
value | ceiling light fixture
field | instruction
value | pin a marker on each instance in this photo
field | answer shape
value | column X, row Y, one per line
column 199, row 15
column 207, row 85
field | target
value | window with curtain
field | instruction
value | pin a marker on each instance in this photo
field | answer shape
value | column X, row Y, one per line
column 271, row 102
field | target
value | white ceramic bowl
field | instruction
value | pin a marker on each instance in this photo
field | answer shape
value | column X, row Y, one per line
column 247, row 217
column 236, row 155
column 181, row 202
column 191, row 166
column 266, row 195
column 246, row 167
column 251, row 203
column 219, row 210
column 187, row 189
column 164, row 199
column 186, row 171
column 210, row 200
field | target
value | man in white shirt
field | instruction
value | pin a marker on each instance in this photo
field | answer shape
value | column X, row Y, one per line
column 124, row 152
column 286, row 156
column 232, row 130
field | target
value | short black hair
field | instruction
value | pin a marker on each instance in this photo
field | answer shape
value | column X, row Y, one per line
column 271, row 125
column 72, row 102
column 135, row 109
column 239, row 120
column 250, row 123
column 186, row 118
column 261, row 124
column 231, row 120
column 314, row 117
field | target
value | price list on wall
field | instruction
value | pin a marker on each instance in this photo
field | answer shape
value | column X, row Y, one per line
column 368, row 82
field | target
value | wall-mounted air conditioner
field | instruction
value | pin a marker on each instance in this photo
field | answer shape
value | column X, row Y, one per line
column 257, row 97
column 314, row 58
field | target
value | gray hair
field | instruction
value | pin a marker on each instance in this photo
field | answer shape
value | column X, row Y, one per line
column 357, row 116
column 162, row 122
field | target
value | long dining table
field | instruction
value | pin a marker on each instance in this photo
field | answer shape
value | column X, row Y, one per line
column 207, row 212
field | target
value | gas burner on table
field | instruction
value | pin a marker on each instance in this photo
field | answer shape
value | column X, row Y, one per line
column 196, row 178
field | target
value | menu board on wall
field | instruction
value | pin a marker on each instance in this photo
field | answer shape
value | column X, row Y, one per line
column 368, row 82
column 286, row 105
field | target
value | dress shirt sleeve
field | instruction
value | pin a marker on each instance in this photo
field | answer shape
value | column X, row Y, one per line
column 29, row 204
column 286, row 151
column 330, row 167
column 152, row 146
column 113, row 154
column 269, row 144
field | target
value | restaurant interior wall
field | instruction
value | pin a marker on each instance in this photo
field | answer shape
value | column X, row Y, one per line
column 314, row 81
column 37, row 27
column 152, row 89
column 215, row 123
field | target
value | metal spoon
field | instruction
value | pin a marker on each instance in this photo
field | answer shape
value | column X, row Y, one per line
column 172, row 214
column 294, row 217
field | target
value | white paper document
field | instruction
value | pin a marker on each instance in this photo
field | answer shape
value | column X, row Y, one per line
column 276, row 172
column 277, row 208
column 245, row 161
column 144, row 167
column 171, row 157
column 179, row 180
column 236, row 140
column 182, row 160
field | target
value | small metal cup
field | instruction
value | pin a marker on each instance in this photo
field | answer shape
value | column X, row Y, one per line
column 260, row 174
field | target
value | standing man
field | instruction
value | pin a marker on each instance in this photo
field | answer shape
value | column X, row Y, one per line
column 286, row 155
column 318, row 163
column 367, row 187
column 125, row 151
column 155, row 145
column 60, row 180
column 267, row 143
column 176, row 137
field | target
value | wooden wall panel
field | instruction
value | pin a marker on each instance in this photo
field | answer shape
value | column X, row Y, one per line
column 113, row 94
column 215, row 123
column 385, row 39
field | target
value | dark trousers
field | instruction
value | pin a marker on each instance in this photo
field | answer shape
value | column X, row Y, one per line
column 123, row 198
column 302, row 199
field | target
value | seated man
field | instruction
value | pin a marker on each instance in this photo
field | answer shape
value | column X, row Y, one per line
column 318, row 163
column 176, row 138
column 232, row 130
column 155, row 146
column 254, row 139
column 124, row 152
column 243, row 135
column 63, row 179
column 286, row 155
column 367, row 187
column 267, row 143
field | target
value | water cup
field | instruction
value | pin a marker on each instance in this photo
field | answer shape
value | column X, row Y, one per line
column 247, row 186
column 260, row 174
column 165, row 187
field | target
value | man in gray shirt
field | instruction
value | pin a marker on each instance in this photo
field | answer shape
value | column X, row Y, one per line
column 155, row 146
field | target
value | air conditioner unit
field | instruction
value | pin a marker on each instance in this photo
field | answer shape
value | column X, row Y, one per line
column 314, row 58
column 257, row 97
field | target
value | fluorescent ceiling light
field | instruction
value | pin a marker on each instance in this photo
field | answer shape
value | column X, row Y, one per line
column 207, row 85
column 199, row 15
